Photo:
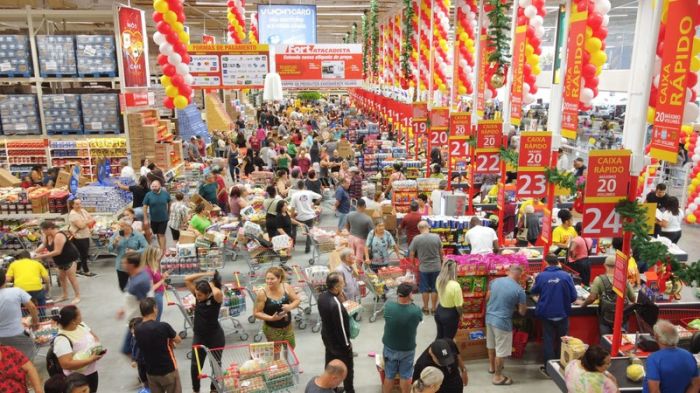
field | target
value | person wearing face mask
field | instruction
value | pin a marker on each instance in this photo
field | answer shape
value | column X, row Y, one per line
column 335, row 326
column 206, row 327
column 156, row 210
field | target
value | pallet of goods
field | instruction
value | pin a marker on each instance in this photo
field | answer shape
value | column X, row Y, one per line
column 95, row 55
column 15, row 61
column 19, row 114
column 62, row 114
column 100, row 113
column 56, row 55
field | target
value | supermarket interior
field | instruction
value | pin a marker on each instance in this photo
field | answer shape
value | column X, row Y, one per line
column 349, row 196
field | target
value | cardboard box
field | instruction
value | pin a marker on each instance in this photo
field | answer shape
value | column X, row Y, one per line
column 471, row 349
column 63, row 179
column 389, row 222
column 187, row 237
column 7, row 179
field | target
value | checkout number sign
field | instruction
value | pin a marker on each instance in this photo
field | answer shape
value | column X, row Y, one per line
column 607, row 182
column 487, row 157
column 533, row 158
column 458, row 139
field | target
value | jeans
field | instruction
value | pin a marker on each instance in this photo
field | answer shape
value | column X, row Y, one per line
column 583, row 268
column 398, row 362
column 345, row 356
column 138, row 213
column 447, row 321
column 158, row 296
column 342, row 220
column 552, row 332
column 39, row 297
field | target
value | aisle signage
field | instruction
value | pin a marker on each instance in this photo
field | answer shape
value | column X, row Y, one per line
column 606, row 183
column 439, row 121
column 534, row 157
column 620, row 274
column 572, row 76
column 287, row 24
column 134, row 47
column 516, row 90
column 319, row 66
column 228, row 66
column 480, row 82
column 419, row 124
column 487, row 155
column 458, row 137
column 673, row 82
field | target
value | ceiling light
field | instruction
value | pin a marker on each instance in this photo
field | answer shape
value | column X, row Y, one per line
column 619, row 16
column 341, row 14
column 336, row 26
column 212, row 3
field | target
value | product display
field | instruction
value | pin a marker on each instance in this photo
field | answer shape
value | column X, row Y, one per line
column 56, row 55
column 15, row 59
column 19, row 114
column 95, row 55
column 62, row 113
column 100, row 113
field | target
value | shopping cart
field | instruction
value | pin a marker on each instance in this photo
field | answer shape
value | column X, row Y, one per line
column 315, row 280
column 46, row 331
column 99, row 245
column 383, row 283
column 261, row 255
column 187, row 303
column 210, row 259
column 251, row 368
column 322, row 242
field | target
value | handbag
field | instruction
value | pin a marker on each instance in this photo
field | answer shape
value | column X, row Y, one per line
column 522, row 231
column 354, row 328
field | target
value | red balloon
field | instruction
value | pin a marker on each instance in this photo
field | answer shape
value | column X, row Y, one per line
column 533, row 88
column 172, row 38
column 169, row 70
column 693, row 96
column 538, row 50
column 692, row 79
column 178, row 81
column 162, row 59
column 168, row 103
column 591, row 83
column 601, row 33
column 185, row 58
column 175, row 5
column 539, row 4
column 530, row 32
column 588, row 71
column 595, row 20
column 595, row 91
column 180, row 48
column 586, row 57
column 652, row 97
column 157, row 17
column 660, row 49
column 521, row 11
column 185, row 90
column 527, row 70
column 164, row 28
column 231, row 29
column 181, row 16
column 535, row 42
column 231, row 3
column 522, row 21
column 662, row 32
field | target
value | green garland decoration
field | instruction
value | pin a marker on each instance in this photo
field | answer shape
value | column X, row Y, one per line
column 565, row 180
column 407, row 47
column 374, row 14
column 509, row 156
column 499, row 33
column 365, row 43
column 353, row 35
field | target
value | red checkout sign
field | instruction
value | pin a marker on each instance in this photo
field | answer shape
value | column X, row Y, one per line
column 534, row 157
column 488, row 144
column 606, row 183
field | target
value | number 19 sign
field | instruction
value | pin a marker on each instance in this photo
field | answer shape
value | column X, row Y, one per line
column 535, row 153
column 607, row 182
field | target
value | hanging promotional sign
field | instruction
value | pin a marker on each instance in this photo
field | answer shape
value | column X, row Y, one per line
column 419, row 124
column 134, row 47
column 516, row 90
column 607, row 183
column 481, row 82
column 287, row 24
column 319, row 66
column 228, row 66
column 208, row 39
column 572, row 76
column 439, row 121
column 620, row 274
column 673, row 85
column 534, row 157
column 487, row 158
column 460, row 123
column 458, row 136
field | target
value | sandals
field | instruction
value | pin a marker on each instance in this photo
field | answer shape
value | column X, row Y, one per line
column 491, row 371
column 506, row 381
column 426, row 311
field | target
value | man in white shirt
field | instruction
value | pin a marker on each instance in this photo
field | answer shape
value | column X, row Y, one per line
column 126, row 171
column 269, row 155
column 483, row 240
column 436, row 198
column 563, row 163
column 304, row 208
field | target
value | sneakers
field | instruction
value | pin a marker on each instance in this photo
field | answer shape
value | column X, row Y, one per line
column 543, row 371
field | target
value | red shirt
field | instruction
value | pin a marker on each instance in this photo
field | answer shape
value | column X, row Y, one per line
column 410, row 224
column 296, row 139
column 14, row 379
column 304, row 164
column 221, row 197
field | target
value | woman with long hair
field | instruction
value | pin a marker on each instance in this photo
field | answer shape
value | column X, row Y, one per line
column 77, row 348
column 56, row 244
column 590, row 373
column 429, row 382
column 150, row 258
column 237, row 200
column 248, row 163
column 80, row 223
column 206, row 327
column 671, row 220
column 449, row 310
column 274, row 305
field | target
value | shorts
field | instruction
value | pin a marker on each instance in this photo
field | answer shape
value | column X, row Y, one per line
column 398, row 362
column 427, row 282
column 500, row 340
column 65, row 266
column 159, row 228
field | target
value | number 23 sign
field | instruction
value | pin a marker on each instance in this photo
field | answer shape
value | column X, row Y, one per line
column 535, row 153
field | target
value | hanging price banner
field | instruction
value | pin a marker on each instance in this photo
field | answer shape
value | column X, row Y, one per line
column 516, row 91
column 608, row 176
column 460, row 124
column 534, row 157
column 487, row 157
column 437, row 133
column 481, row 83
column 673, row 81
column 601, row 220
column 572, row 77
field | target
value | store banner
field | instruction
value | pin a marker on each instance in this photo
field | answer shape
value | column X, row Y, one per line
column 607, row 182
column 287, row 24
column 620, row 274
column 460, row 123
column 516, row 90
column 487, row 155
column 533, row 158
column 208, row 39
column 439, row 122
column 419, row 124
column 133, row 44
column 319, row 66
column 480, row 82
column 572, row 76
column 228, row 66
column 673, row 83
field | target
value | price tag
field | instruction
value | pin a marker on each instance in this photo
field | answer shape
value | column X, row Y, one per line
column 21, row 126
column 6, row 66
column 59, row 98
column 96, row 125
column 531, row 185
column 89, row 50
column 601, row 220
column 50, row 65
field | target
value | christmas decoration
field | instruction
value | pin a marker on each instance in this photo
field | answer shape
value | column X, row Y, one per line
column 374, row 29
column 415, row 6
column 253, row 33
column 172, row 41
column 441, row 51
column 498, row 26
column 467, row 11
column 236, row 20
column 396, row 54
column 353, row 33
column 407, row 47
column 365, row 45
column 497, row 80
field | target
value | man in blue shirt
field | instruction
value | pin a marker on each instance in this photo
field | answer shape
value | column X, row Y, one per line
column 342, row 202
column 505, row 295
column 156, row 211
column 137, row 288
column 556, row 291
column 670, row 369
column 126, row 240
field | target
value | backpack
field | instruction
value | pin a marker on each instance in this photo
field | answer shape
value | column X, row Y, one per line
column 53, row 366
column 608, row 300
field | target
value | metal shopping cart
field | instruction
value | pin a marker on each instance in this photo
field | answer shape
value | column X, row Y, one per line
column 99, row 246
column 315, row 280
column 383, row 283
column 322, row 242
column 251, row 368
column 46, row 331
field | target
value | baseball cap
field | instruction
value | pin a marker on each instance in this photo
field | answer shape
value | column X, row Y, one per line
column 405, row 289
column 442, row 352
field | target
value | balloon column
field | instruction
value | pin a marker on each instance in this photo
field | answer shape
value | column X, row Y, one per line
column 236, row 20
column 253, row 33
column 692, row 210
column 415, row 4
column 594, row 54
column 467, row 11
column 425, row 12
column 396, row 54
column 531, row 13
column 441, row 50
column 172, row 41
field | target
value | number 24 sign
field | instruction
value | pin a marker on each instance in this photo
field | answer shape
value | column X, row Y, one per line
column 601, row 220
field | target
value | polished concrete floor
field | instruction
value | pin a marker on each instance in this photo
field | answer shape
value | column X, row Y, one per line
column 102, row 299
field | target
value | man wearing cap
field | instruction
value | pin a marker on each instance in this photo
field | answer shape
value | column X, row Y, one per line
column 504, row 296
column 444, row 355
column 427, row 247
column 355, row 183
column 401, row 319
column 359, row 224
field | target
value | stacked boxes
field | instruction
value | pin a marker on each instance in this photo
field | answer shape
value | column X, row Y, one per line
column 62, row 113
column 143, row 134
column 100, row 113
column 189, row 122
column 95, row 55
column 56, row 55
column 14, row 56
column 19, row 114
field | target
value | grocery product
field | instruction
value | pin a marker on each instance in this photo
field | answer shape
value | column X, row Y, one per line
column 56, row 55
column 100, row 113
column 103, row 199
column 95, row 55
column 19, row 114
column 15, row 56
column 62, row 113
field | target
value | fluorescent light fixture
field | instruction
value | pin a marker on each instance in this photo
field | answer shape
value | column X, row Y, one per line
column 340, row 14
column 211, row 3
column 336, row 26
column 619, row 16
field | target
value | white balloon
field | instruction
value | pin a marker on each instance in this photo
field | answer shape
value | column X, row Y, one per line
column 697, row 149
column 524, row 3
column 175, row 59
column 536, row 21
column 182, row 69
column 696, row 158
column 657, row 66
column 539, row 31
column 528, row 99
column 526, row 88
column 602, row 6
column 697, row 199
column 693, row 207
column 586, row 95
column 487, row 94
column 606, row 20
column 165, row 48
column 688, row 211
column 530, row 11
column 690, row 113
column 158, row 38
column 463, row 63
column 656, row 81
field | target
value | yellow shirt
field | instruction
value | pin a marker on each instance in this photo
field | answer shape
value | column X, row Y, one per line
column 563, row 235
column 452, row 296
column 27, row 274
